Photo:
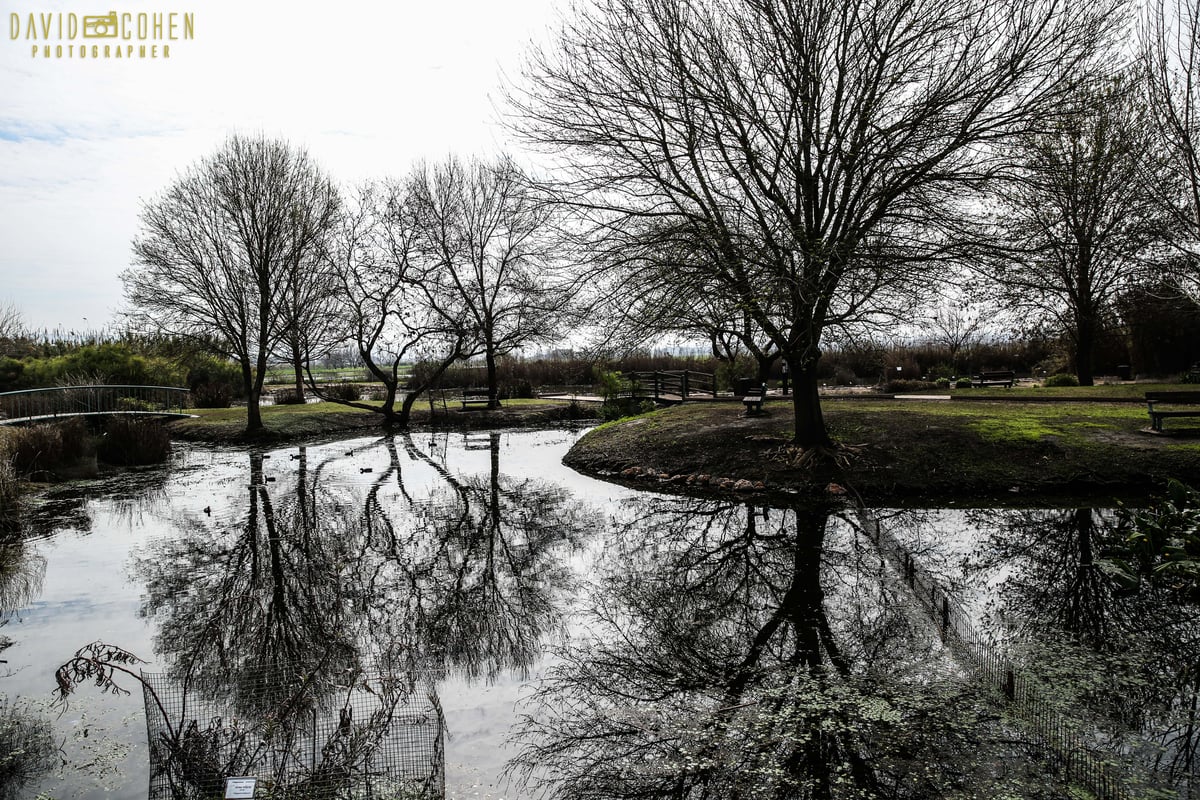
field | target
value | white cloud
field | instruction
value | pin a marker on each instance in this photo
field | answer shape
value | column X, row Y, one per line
column 367, row 87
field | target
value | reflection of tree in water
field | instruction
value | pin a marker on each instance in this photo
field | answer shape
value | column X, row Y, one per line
column 746, row 653
column 1114, row 659
column 269, row 614
column 263, row 596
column 478, row 565
column 27, row 747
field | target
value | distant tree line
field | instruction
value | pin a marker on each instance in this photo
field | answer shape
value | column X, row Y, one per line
column 781, row 180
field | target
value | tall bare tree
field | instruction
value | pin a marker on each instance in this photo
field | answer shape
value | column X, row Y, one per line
column 219, row 251
column 814, row 142
column 387, row 300
column 1170, row 42
column 1079, row 215
column 490, row 234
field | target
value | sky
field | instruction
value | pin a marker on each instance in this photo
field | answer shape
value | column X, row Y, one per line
column 368, row 88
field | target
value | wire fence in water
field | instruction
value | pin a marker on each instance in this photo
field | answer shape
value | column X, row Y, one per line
column 359, row 736
column 1064, row 745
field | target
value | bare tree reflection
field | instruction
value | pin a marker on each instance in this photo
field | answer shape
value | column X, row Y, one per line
column 27, row 747
column 737, row 652
column 1123, row 662
column 264, row 597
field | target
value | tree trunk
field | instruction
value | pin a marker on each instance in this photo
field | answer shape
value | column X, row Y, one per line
column 492, row 382
column 1085, row 344
column 250, row 387
column 806, row 405
column 765, row 363
column 299, row 367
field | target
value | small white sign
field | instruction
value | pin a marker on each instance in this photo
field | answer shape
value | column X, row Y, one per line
column 240, row 788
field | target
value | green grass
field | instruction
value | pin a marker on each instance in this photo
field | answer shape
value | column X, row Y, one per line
column 912, row 448
column 1124, row 391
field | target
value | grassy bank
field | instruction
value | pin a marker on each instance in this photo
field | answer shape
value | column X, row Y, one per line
column 287, row 423
column 933, row 450
column 1115, row 391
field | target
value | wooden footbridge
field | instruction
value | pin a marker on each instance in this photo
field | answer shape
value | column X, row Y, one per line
column 46, row 405
column 673, row 386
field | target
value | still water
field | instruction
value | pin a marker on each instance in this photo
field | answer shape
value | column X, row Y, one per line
column 596, row 641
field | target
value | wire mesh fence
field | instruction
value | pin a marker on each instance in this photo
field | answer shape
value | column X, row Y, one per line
column 1065, row 745
column 356, row 736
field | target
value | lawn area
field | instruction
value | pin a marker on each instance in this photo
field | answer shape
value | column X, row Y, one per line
column 1116, row 391
column 302, row 421
column 908, row 448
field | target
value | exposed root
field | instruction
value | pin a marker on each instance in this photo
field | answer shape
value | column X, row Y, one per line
column 839, row 455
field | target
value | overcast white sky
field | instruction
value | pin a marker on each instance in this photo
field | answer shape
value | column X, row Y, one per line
column 367, row 87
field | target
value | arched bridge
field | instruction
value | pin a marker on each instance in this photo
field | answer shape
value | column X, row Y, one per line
column 46, row 405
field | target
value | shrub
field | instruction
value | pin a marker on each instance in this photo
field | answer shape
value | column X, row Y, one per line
column 1061, row 379
column 342, row 391
column 213, row 382
column 134, row 442
column 10, row 374
column 843, row 376
column 9, row 489
column 40, row 448
column 572, row 411
column 110, row 362
column 133, row 404
column 287, row 397
column 899, row 386
column 519, row 389
column 962, row 383
column 212, row 395
column 944, row 383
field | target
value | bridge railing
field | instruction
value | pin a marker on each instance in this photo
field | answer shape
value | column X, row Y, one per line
column 64, row 401
column 682, row 383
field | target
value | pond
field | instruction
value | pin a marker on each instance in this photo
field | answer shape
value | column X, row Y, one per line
column 337, row 611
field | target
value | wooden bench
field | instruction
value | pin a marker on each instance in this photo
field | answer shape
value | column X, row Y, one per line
column 754, row 402
column 999, row 377
column 476, row 397
column 1171, row 399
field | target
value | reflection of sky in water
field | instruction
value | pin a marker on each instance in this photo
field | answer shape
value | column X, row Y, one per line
column 89, row 592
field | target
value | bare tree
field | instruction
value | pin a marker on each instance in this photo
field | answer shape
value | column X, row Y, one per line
column 308, row 313
column 1170, row 42
column 813, row 143
column 222, row 247
column 490, row 234
column 12, row 322
column 387, row 301
column 955, row 324
column 1079, row 215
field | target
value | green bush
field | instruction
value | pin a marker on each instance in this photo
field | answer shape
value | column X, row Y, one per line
column 942, row 383
column 11, row 371
column 1061, row 379
column 133, row 442
column 221, row 375
column 112, row 362
column 962, row 383
column 133, row 404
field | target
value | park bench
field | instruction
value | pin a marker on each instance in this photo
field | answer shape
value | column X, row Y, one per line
column 754, row 402
column 999, row 377
column 1175, row 400
column 476, row 397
